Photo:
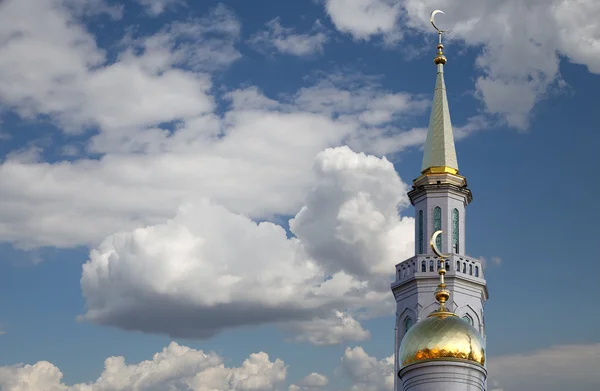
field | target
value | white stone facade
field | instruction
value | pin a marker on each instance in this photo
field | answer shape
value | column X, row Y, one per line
column 443, row 376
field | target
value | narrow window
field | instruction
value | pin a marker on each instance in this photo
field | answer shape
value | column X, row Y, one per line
column 423, row 267
column 457, row 266
column 455, row 230
column 447, row 264
column 420, row 232
column 437, row 225
column 476, row 271
column 464, row 267
column 430, row 266
column 468, row 319
column 439, row 264
column 471, row 269
column 407, row 324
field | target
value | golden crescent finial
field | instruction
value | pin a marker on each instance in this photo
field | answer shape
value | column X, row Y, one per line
column 432, row 20
column 440, row 58
column 434, row 246
column 441, row 293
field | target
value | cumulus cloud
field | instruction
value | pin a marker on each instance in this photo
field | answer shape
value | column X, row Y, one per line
column 184, row 277
column 331, row 330
column 287, row 41
column 254, row 160
column 366, row 372
column 365, row 18
column 56, row 69
column 176, row 368
column 310, row 382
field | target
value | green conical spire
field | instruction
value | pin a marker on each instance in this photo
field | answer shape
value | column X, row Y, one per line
column 440, row 152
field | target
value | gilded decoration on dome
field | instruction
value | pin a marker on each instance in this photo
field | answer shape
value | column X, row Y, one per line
column 441, row 337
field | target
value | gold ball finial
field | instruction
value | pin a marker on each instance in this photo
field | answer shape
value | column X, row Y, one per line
column 439, row 59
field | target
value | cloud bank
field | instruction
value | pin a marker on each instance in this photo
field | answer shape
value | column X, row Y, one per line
column 208, row 268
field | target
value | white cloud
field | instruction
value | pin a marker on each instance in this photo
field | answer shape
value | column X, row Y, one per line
column 184, row 278
column 176, row 368
column 314, row 380
column 365, row 18
column 157, row 7
column 557, row 368
column 287, row 41
column 264, row 148
column 331, row 330
column 56, row 69
column 311, row 382
column 517, row 72
column 367, row 373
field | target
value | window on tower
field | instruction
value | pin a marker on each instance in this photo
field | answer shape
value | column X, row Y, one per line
column 476, row 271
column 464, row 267
column 447, row 264
column 430, row 266
column 455, row 230
column 471, row 269
column 407, row 324
column 423, row 267
column 437, row 225
column 457, row 266
column 420, row 232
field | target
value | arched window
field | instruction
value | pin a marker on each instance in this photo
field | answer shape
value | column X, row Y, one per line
column 455, row 228
column 439, row 264
column 430, row 266
column 468, row 319
column 423, row 267
column 437, row 225
column 464, row 267
column 447, row 265
column 476, row 271
column 457, row 266
column 471, row 269
column 407, row 324
column 420, row 232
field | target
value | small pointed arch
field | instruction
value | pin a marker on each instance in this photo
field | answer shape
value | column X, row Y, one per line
column 476, row 271
column 447, row 265
column 423, row 266
column 467, row 318
column 431, row 265
column 464, row 267
column 407, row 323
column 455, row 230
column 471, row 269
column 457, row 266
column 437, row 225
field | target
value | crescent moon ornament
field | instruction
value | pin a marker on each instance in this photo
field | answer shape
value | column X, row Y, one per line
column 434, row 246
column 432, row 20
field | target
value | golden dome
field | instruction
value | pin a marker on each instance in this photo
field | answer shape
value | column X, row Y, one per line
column 441, row 336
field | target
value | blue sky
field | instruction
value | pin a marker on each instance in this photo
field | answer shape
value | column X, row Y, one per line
column 146, row 139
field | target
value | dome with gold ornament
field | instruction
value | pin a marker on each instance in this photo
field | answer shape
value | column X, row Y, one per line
column 442, row 335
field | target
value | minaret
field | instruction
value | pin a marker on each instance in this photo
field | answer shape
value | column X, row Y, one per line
column 440, row 196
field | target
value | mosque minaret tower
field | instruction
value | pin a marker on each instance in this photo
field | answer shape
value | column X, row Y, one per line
column 440, row 337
